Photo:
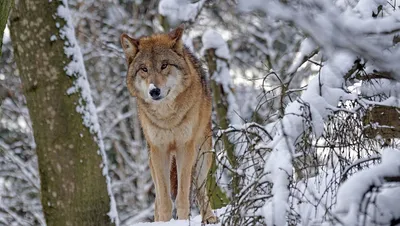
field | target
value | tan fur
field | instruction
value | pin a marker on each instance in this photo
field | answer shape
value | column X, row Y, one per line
column 177, row 127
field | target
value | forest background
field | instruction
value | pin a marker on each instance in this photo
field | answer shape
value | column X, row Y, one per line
column 306, row 115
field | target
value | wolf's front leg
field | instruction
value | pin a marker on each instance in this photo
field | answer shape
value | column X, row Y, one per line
column 153, row 176
column 159, row 164
column 185, row 158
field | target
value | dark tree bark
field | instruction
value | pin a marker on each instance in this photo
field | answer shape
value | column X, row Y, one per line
column 73, row 189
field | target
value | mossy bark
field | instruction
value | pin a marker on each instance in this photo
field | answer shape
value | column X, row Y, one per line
column 220, row 105
column 218, row 198
column 73, row 189
column 221, row 108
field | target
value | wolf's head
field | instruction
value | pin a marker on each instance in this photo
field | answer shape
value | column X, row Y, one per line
column 156, row 65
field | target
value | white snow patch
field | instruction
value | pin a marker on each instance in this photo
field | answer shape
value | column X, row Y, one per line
column 306, row 48
column 213, row 40
column 352, row 193
column 180, row 10
column 6, row 35
column 195, row 221
column 53, row 38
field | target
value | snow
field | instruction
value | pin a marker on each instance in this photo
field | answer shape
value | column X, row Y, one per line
column 311, row 197
column 343, row 38
column 211, row 39
column 352, row 193
column 6, row 35
column 53, row 38
column 81, row 86
column 381, row 86
column 360, row 34
column 279, row 163
column 180, row 10
column 306, row 48
column 188, row 42
column 275, row 209
column 195, row 221
column 364, row 8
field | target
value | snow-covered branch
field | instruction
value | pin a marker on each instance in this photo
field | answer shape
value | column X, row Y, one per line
column 353, row 205
column 352, row 30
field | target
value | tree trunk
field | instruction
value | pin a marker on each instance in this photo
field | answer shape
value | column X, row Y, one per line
column 221, row 107
column 5, row 7
column 383, row 121
column 73, row 189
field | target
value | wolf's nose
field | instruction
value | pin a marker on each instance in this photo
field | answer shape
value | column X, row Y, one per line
column 155, row 93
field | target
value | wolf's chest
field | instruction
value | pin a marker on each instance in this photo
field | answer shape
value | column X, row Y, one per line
column 162, row 137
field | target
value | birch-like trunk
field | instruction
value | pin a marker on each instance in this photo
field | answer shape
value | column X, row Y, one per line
column 73, row 189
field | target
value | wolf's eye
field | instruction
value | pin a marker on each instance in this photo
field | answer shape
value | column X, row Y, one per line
column 143, row 69
column 163, row 66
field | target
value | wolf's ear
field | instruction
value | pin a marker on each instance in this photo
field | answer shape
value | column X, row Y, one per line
column 176, row 36
column 130, row 46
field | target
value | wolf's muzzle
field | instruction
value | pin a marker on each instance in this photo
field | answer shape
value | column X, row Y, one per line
column 155, row 93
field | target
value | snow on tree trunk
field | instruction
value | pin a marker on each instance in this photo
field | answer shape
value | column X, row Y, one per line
column 75, row 187
column 5, row 7
column 217, row 56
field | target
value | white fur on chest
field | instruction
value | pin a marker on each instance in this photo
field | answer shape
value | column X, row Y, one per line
column 164, row 137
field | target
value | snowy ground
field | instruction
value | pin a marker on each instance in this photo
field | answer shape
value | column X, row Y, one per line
column 195, row 221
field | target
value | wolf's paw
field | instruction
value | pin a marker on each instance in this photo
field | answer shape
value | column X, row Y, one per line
column 211, row 220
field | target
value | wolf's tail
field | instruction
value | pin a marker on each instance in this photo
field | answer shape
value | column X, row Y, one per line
column 173, row 179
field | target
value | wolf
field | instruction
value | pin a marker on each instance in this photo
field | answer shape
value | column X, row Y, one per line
column 174, row 108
